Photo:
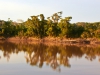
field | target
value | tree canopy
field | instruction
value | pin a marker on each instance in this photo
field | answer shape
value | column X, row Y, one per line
column 55, row 26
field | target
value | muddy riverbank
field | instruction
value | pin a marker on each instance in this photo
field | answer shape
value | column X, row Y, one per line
column 48, row 40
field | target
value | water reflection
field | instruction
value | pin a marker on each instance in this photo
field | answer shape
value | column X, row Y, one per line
column 36, row 54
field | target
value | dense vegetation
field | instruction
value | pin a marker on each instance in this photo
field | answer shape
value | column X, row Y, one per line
column 54, row 26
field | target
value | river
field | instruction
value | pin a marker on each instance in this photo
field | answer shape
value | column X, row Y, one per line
column 48, row 59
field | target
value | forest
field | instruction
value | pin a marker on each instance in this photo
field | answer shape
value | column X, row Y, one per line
column 54, row 26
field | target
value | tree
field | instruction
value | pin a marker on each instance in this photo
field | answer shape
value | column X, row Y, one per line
column 53, row 28
column 65, row 25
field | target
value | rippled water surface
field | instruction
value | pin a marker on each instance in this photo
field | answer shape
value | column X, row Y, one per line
column 52, row 59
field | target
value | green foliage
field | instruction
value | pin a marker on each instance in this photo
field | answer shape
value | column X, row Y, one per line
column 97, row 33
column 65, row 26
column 85, row 35
column 54, row 26
column 8, row 29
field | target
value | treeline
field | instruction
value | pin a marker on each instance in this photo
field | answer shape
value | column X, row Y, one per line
column 54, row 26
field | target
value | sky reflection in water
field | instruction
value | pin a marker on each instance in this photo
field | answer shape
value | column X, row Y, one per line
column 42, row 59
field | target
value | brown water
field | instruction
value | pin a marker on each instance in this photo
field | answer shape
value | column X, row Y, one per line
column 41, row 59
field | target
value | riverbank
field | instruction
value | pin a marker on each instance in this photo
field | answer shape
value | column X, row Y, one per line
column 57, row 40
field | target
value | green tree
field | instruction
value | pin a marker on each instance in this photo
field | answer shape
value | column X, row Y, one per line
column 65, row 26
column 53, row 28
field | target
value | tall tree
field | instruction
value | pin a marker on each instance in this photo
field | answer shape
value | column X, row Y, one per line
column 65, row 25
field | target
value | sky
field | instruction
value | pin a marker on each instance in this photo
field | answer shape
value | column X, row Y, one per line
column 80, row 10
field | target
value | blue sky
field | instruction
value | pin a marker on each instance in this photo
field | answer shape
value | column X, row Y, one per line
column 80, row 10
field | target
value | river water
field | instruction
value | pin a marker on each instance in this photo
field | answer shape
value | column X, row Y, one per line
column 51, row 59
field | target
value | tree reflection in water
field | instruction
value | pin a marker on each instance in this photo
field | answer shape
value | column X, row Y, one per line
column 37, row 54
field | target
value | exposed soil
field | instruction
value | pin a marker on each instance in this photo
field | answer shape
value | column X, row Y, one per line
column 57, row 40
